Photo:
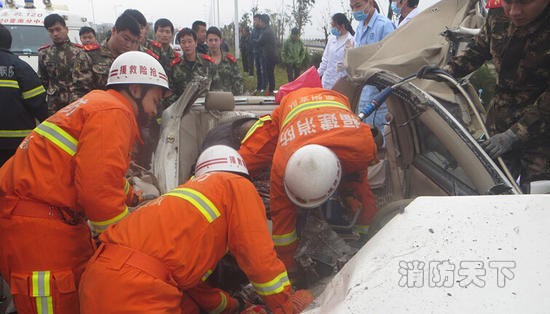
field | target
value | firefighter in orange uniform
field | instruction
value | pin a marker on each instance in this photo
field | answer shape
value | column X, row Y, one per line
column 69, row 169
column 313, row 141
column 157, row 259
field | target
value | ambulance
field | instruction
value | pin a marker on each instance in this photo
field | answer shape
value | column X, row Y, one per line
column 26, row 24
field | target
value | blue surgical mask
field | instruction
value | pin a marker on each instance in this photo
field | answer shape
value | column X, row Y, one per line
column 395, row 9
column 360, row 16
column 334, row 31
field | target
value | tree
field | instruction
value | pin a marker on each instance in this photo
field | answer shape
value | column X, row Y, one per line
column 301, row 12
column 245, row 21
column 228, row 34
column 279, row 22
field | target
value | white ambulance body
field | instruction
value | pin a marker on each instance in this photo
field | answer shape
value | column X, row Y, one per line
column 26, row 25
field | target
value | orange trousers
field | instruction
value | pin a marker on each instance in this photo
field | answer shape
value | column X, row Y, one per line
column 119, row 279
column 126, row 289
column 42, row 259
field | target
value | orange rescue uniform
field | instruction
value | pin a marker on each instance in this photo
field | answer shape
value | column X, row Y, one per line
column 157, row 259
column 310, row 116
column 69, row 169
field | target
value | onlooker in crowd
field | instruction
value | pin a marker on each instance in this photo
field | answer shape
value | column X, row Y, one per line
column 223, row 46
column 191, row 65
column 406, row 9
column 161, row 49
column 247, row 57
column 200, row 29
column 143, row 26
column 257, row 52
column 516, row 38
column 55, row 64
column 226, row 74
column 268, row 43
column 22, row 98
column 372, row 28
column 87, row 36
column 332, row 66
column 91, row 69
column 293, row 54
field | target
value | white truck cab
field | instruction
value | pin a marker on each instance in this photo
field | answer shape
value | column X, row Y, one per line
column 26, row 25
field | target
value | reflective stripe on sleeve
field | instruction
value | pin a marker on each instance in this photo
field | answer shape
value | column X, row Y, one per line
column 206, row 275
column 100, row 226
column 363, row 229
column 285, row 239
column 41, row 292
column 34, row 92
column 9, row 83
column 221, row 307
column 277, row 285
column 312, row 105
column 199, row 200
column 126, row 186
column 57, row 136
column 14, row 133
column 255, row 126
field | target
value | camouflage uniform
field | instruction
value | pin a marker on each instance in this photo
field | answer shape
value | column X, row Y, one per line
column 183, row 72
column 521, row 56
column 55, row 65
column 91, row 69
column 166, row 58
column 227, row 76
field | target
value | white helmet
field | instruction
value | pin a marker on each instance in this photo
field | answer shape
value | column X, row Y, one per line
column 220, row 158
column 136, row 67
column 312, row 175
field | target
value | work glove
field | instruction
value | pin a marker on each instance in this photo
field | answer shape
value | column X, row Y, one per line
column 430, row 72
column 301, row 299
column 500, row 143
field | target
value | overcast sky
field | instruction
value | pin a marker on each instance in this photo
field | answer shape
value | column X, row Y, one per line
column 183, row 12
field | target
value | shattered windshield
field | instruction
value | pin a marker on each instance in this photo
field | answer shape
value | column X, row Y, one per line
column 27, row 39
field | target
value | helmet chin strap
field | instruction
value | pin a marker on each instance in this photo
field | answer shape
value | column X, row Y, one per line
column 142, row 118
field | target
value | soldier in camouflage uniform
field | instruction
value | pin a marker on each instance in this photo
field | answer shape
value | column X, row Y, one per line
column 55, row 64
column 91, row 68
column 226, row 74
column 516, row 37
column 192, row 64
column 161, row 48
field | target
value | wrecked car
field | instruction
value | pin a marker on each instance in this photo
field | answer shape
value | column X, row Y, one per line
column 431, row 139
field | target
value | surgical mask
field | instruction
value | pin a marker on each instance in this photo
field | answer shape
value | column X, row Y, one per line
column 334, row 31
column 395, row 9
column 360, row 16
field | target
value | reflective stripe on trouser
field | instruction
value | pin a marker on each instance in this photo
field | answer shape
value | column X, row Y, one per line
column 199, row 201
column 255, row 126
column 41, row 292
column 274, row 286
column 312, row 105
column 35, row 276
